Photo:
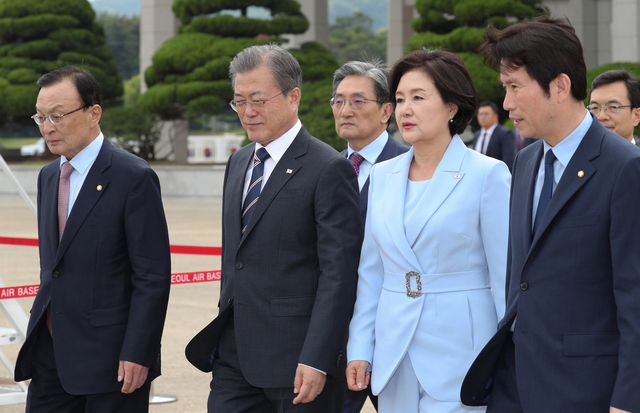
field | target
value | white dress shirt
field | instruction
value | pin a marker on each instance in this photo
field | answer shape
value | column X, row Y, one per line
column 81, row 163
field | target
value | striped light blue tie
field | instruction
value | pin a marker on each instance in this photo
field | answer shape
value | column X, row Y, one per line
column 253, row 193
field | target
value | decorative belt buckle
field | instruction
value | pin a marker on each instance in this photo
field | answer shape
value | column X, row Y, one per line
column 418, row 292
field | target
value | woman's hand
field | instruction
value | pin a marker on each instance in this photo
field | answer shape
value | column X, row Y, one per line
column 357, row 375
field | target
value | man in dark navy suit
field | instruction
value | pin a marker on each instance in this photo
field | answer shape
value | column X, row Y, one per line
column 93, row 340
column 362, row 109
column 493, row 139
column 569, row 339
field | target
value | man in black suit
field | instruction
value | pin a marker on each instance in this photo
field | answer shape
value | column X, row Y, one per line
column 615, row 101
column 291, row 239
column 362, row 109
column 93, row 340
column 493, row 139
column 569, row 339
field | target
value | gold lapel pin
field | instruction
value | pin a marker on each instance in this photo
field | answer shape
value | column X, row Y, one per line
column 99, row 188
column 580, row 174
column 456, row 176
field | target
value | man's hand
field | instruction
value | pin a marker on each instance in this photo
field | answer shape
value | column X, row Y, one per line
column 614, row 410
column 308, row 384
column 134, row 375
column 357, row 375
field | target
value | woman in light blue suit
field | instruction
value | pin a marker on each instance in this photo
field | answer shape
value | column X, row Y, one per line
column 431, row 285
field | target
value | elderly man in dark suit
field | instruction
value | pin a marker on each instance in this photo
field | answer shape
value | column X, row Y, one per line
column 493, row 139
column 615, row 101
column 93, row 340
column 569, row 339
column 290, row 239
column 362, row 110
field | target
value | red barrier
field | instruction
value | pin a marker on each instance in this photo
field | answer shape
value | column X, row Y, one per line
column 175, row 249
column 24, row 291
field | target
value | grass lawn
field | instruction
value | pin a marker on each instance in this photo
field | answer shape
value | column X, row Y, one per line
column 15, row 143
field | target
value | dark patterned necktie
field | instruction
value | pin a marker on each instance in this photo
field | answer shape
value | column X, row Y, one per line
column 253, row 193
column 547, row 189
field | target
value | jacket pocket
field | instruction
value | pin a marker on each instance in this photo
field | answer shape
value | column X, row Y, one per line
column 292, row 306
column 109, row 316
column 601, row 344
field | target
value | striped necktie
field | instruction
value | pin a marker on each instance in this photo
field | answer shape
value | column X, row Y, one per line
column 253, row 193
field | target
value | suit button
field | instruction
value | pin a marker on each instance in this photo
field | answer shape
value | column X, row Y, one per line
column 524, row 286
column 239, row 265
column 56, row 274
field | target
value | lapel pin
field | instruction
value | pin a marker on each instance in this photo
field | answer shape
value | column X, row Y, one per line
column 289, row 171
column 456, row 176
column 99, row 188
column 580, row 174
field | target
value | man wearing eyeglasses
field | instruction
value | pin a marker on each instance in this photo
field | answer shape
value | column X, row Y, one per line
column 362, row 110
column 93, row 339
column 615, row 101
column 291, row 244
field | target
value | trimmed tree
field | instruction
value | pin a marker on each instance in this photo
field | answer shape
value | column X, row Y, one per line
column 458, row 26
column 189, row 76
column 38, row 36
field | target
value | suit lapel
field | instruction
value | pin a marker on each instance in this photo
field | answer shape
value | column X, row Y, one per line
column 446, row 177
column 570, row 182
column 234, row 191
column 531, row 171
column 285, row 169
column 395, row 188
column 87, row 197
column 52, row 183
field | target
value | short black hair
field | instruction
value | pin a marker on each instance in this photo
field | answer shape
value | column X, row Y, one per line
column 631, row 81
column 492, row 105
column 545, row 47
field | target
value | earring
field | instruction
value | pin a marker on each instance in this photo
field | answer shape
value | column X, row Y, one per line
column 450, row 119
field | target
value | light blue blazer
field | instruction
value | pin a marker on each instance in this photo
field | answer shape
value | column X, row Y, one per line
column 457, row 245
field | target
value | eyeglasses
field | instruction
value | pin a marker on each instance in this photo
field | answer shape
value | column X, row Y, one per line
column 241, row 105
column 610, row 109
column 54, row 118
column 358, row 102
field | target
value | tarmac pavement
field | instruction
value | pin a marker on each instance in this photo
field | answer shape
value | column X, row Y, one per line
column 192, row 221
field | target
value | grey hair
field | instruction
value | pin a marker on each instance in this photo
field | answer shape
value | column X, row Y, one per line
column 374, row 70
column 284, row 67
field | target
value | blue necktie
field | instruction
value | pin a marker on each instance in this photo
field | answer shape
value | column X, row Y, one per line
column 547, row 189
column 253, row 193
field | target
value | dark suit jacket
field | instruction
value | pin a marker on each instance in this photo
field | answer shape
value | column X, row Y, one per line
column 575, row 286
column 392, row 149
column 108, row 280
column 502, row 145
column 292, row 275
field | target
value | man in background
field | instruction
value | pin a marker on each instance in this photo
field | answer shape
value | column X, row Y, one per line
column 362, row 110
column 615, row 101
column 493, row 139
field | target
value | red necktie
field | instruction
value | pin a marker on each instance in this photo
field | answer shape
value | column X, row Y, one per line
column 356, row 159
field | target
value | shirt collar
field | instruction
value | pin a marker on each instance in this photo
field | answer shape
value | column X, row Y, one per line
column 278, row 147
column 565, row 149
column 372, row 151
column 489, row 131
column 84, row 159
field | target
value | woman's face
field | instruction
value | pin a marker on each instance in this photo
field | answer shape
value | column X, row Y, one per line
column 420, row 112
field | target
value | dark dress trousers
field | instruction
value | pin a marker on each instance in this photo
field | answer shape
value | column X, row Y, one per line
column 573, row 289
column 291, row 277
column 502, row 145
column 108, row 281
column 354, row 400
